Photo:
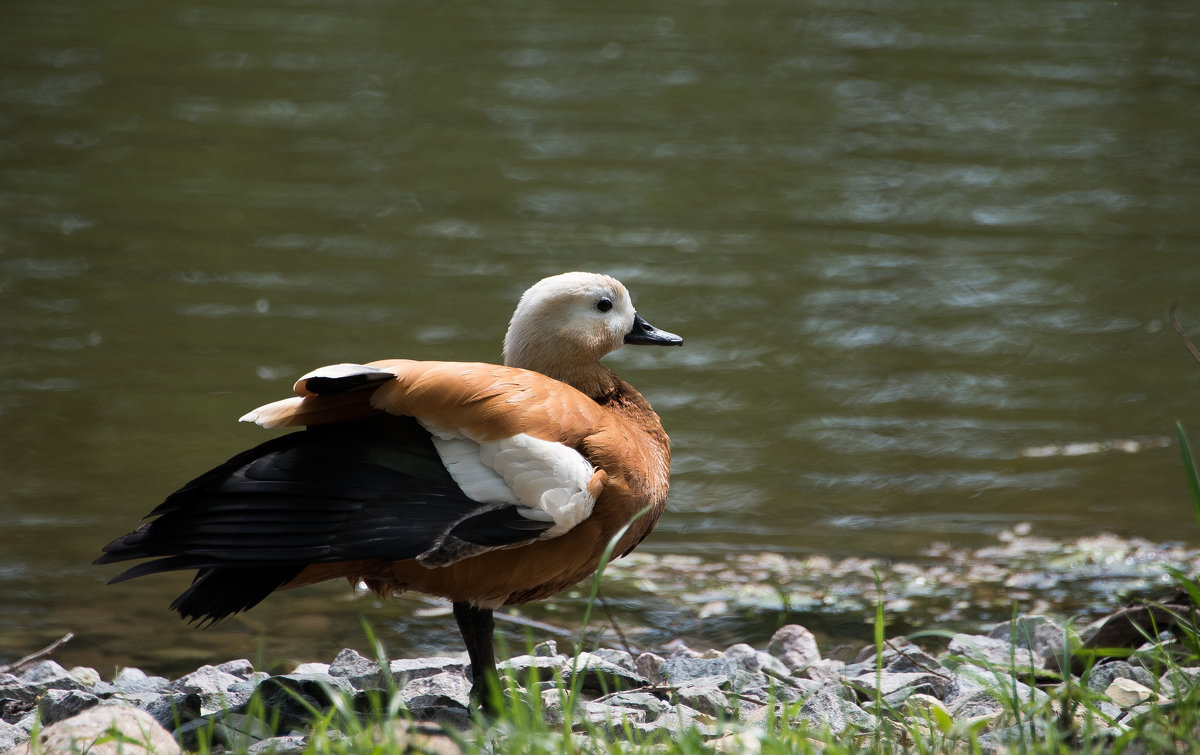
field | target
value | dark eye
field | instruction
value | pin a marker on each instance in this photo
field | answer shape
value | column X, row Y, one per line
column 604, row 304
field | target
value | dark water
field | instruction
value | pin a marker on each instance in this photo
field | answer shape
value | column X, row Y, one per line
column 922, row 253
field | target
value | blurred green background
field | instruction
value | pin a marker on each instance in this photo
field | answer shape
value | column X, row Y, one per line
column 922, row 254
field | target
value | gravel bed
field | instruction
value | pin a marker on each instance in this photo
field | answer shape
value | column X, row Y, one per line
column 725, row 694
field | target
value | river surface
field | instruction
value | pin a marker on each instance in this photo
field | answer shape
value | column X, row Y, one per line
column 922, row 254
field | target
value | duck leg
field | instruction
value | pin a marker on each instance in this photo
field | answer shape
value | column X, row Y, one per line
column 476, row 626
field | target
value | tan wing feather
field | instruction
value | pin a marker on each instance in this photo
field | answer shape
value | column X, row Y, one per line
column 489, row 402
column 484, row 401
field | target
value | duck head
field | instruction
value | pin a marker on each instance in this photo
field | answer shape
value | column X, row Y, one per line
column 566, row 323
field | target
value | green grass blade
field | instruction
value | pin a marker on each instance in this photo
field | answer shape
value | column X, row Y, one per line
column 1189, row 463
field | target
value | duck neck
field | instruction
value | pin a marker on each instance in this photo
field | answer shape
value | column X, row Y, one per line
column 590, row 378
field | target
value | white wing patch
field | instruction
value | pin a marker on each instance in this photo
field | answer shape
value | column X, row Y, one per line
column 549, row 480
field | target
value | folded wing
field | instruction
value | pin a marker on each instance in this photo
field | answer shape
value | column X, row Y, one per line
column 423, row 470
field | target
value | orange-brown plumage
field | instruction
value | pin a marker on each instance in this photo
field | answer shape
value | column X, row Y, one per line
column 619, row 433
column 485, row 484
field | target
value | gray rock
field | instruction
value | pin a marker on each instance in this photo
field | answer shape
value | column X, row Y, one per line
column 644, row 701
column 1177, row 682
column 650, row 666
column 140, row 735
column 677, row 670
column 899, row 655
column 447, row 690
column 404, row 671
column 1001, row 654
column 593, row 713
column 996, row 699
column 756, row 661
column 1037, row 633
column 174, row 709
column 206, row 680
column 86, row 676
column 320, row 687
column 49, row 675
column 56, row 705
column 703, row 695
column 526, row 669
column 1099, row 677
column 360, row 671
column 241, row 668
column 674, row 723
column 129, row 675
column 601, row 677
column 17, row 697
column 827, row 709
column 824, row 671
column 44, row 673
column 744, row 656
column 141, row 684
column 292, row 744
column 134, row 686
column 315, row 668
column 789, row 690
column 966, row 681
column 912, row 659
column 895, row 687
column 190, row 734
column 552, row 707
column 11, row 735
column 795, row 646
column 547, row 649
column 218, row 690
column 620, row 658
column 237, row 731
column 1004, row 739
column 293, row 696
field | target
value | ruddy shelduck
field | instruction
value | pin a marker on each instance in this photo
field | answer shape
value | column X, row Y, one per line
column 484, row 484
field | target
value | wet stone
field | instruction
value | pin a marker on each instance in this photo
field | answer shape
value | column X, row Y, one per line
column 1178, row 681
column 50, row 675
column 795, row 646
column 650, row 666
column 174, row 709
column 823, row 671
column 601, row 677
column 58, row 704
column 292, row 744
column 1102, row 676
column 993, row 652
column 1039, row 634
column 621, row 658
column 360, row 671
column 894, row 687
column 647, row 702
column 206, row 680
column 524, row 668
column 404, row 671
column 88, row 677
column 444, row 690
column 17, row 697
column 547, row 649
column 966, row 681
column 11, row 735
column 826, row 709
column 136, row 684
column 703, row 695
column 241, row 668
column 676, row 670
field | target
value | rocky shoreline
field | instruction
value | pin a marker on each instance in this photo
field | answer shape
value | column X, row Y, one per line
column 725, row 695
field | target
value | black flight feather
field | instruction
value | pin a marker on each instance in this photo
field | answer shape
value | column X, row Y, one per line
column 368, row 489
